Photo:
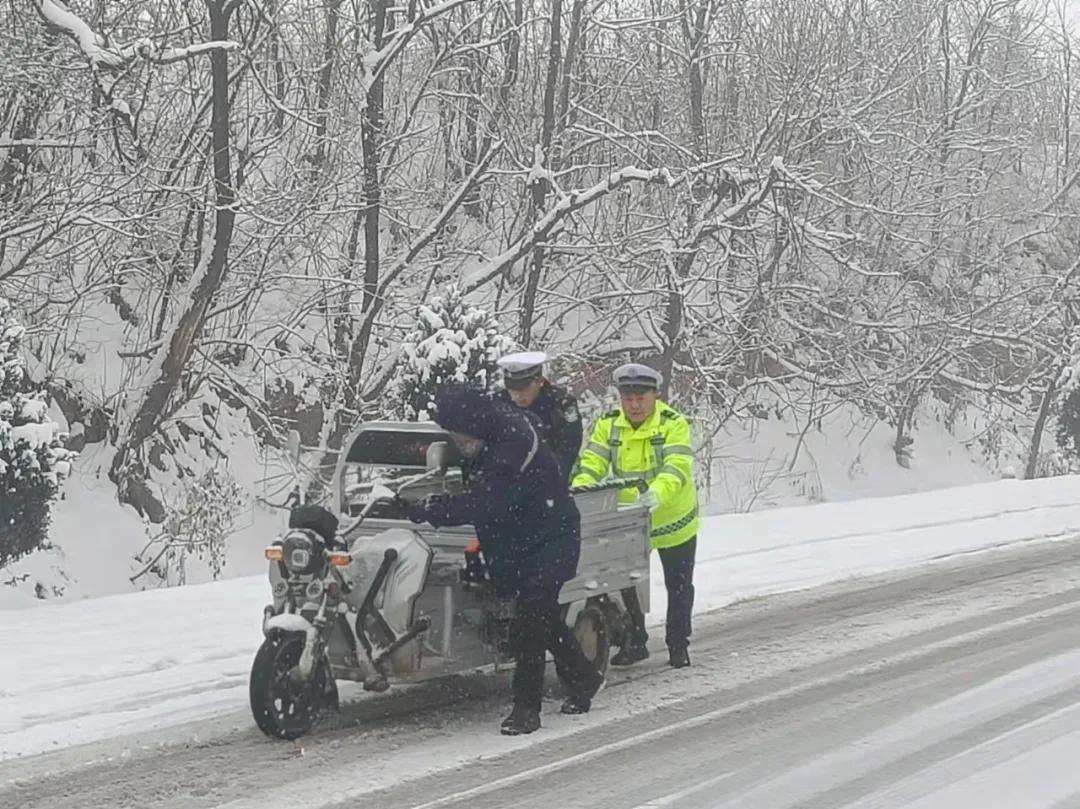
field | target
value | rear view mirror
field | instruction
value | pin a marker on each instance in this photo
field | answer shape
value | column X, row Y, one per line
column 439, row 456
column 292, row 452
column 292, row 445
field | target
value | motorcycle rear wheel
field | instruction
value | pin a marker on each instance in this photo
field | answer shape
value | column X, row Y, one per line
column 284, row 709
column 591, row 633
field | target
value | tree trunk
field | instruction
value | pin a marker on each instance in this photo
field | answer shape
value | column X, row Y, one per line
column 331, row 46
column 509, row 79
column 694, row 22
column 573, row 41
column 473, row 83
column 1031, row 468
column 171, row 360
column 371, row 137
column 673, row 321
column 695, row 40
column 279, row 68
column 541, row 185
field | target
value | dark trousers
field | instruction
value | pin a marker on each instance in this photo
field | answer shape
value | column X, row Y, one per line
column 537, row 626
column 678, row 563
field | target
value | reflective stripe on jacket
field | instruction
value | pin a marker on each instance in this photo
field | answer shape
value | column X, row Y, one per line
column 660, row 451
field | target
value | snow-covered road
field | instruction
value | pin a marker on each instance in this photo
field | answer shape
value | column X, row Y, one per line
column 979, row 712
column 953, row 686
column 80, row 672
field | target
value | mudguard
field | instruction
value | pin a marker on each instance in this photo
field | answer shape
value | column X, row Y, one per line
column 289, row 623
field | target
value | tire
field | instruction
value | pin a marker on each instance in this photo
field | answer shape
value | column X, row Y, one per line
column 591, row 633
column 283, row 709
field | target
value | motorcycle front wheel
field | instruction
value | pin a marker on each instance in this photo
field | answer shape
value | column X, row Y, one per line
column 282, row 707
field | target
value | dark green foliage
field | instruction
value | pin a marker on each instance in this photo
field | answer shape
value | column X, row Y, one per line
column 27, row 476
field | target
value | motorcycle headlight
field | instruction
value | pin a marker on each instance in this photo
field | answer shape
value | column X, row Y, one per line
column 301, row 552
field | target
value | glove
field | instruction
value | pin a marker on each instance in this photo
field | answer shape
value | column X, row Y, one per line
column 649, row 499
column 410, row 508
column 419, row 512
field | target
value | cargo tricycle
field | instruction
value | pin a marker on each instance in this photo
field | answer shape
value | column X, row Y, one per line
column 360, row 593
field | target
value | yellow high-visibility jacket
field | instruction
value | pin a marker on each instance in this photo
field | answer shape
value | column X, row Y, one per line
column 660, row 451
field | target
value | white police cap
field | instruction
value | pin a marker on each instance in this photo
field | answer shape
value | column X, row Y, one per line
column 636, row 375
column 522, row 365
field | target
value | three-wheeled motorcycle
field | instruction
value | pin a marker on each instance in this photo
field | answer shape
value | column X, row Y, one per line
column 362, row 594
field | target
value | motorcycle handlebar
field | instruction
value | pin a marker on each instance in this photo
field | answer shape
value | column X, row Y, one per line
column 392, row 487
column 607, row 485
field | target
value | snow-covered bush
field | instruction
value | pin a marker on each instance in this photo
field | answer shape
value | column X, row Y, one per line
column 32, row 462
column 198, row 525
column 453, row 341
column 1068, row 429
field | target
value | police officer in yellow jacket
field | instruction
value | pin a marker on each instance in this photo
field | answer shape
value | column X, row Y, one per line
column 648, row 438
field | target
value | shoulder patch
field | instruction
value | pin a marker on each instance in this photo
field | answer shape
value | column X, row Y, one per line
column 672, row 415
column 614, row 414
column 562, row 396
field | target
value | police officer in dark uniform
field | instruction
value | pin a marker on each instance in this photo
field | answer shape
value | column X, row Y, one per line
column 530, row 532
column 554, row 406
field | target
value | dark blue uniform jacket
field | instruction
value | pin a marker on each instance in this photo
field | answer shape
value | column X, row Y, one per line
column 518, row 499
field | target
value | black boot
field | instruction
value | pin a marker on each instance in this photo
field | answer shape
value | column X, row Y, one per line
column 581, row 702
column 630, row 654
column 521, row 720
column 678, row 657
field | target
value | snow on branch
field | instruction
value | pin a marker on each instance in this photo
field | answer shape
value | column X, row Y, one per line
column 376, row 62
column 103, row 56
column 436, row 226
column 91, row 43
column 422, row 240
column 166, row 56
column 829, row 241
column 39, row 143
column 752, row 198
column 982, row 387
column 574, row 200
column 818, row 190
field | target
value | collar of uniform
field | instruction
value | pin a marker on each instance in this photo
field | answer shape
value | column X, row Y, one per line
column 543, row 394
column 648, row 426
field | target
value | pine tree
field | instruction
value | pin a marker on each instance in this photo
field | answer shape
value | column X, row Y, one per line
column 453, row 341
column 31, row 460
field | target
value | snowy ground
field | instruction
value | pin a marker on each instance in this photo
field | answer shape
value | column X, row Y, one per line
column 946, row 686
column 77, row 672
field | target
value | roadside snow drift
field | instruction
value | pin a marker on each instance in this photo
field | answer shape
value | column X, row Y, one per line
column 81, row 671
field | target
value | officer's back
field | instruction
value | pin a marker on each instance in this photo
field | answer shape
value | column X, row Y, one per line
column 519, row 501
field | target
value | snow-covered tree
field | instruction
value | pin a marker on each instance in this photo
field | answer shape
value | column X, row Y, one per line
column 453, row 341
column 31, row 461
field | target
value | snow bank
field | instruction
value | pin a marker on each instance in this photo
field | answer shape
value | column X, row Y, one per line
column 765, row 463
column 77, row 672
column 766, row 552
